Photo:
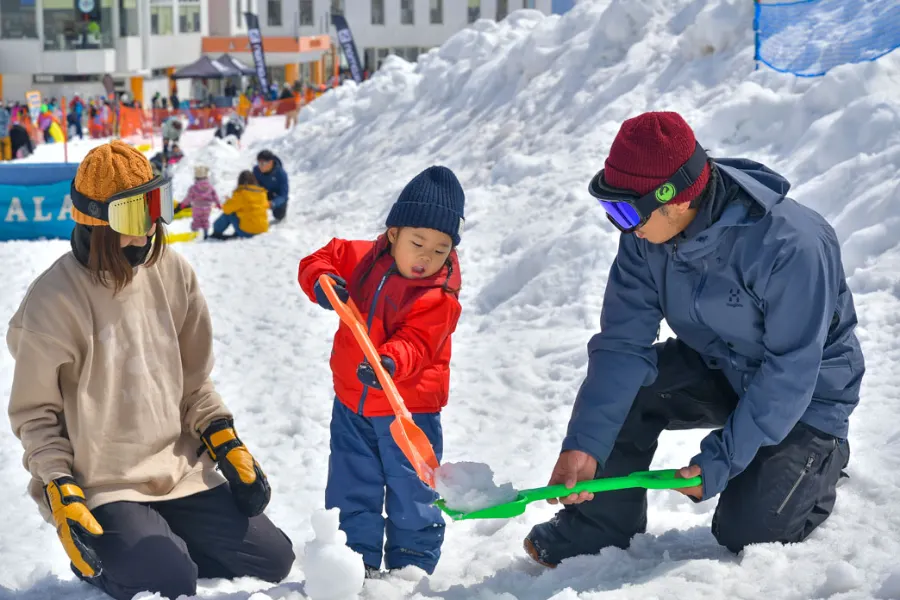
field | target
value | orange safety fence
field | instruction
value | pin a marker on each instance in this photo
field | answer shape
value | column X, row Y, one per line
column 140, row 125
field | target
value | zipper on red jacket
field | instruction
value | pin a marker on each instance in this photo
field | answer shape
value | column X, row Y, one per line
column 384, row 279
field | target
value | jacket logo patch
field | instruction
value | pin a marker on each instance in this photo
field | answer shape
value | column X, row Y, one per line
column 734, row 298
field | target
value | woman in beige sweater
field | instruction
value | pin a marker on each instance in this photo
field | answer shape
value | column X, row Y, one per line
column 112, row 399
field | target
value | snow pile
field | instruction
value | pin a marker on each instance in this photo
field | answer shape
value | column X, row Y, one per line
column 333, row 571
column 524, row 112
column 469, row 486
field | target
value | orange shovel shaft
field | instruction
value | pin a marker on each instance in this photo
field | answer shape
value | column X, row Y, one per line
column 350, row 315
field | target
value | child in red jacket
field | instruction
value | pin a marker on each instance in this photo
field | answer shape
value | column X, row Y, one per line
column 405, row 284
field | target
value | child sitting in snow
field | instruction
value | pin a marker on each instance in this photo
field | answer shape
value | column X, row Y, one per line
column 406, row 285
column 247, row 210
column 201, row 197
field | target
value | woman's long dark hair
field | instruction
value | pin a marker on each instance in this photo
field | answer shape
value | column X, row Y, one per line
column 107, row 263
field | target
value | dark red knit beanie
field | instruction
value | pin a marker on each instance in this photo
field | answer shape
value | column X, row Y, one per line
column 648, row 149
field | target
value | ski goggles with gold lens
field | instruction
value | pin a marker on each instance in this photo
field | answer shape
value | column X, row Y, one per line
column 133, row 211
column 628, row 210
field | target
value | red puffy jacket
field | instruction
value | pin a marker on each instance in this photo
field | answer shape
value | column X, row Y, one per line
column 408, row 320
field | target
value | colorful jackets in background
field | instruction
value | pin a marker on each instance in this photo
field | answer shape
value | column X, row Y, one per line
column 408, row 320
column 201, row 197
column 275, row 182
column 4, row 122
column 250, row 204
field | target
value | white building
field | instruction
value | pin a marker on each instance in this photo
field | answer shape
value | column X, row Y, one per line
column 382, row 27
column 59, row 47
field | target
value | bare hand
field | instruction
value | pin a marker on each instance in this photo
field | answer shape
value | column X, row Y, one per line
column 688, row 473
column 571, row 467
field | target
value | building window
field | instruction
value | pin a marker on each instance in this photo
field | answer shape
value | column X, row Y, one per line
column 128, row 18
column 17, row 20
column 437, row 12
column 71, row 29
column 337, row 7
column 474, row 10
column 502, row 9
column 529, row 4
column 306, row 12
column 161, row 18
column 407, row 12
column 377, row 12
column 189, row 16
column 238, row 14
column 273, row 13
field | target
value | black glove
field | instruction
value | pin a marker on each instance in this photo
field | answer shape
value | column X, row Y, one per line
column 366, row 374
column 340, row 287
column 248, row 483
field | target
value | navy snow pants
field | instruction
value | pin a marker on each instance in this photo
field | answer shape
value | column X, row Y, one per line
column 165, row 546
column 782, row 496
column 369, row 475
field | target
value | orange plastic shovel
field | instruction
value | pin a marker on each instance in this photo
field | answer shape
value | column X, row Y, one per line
column 409, row 437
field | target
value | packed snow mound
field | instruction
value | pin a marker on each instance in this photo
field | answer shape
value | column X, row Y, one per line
column 469, row 486
column 333, row 571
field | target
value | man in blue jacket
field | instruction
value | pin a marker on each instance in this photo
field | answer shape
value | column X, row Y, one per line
column 271, row 175
column 752, row 284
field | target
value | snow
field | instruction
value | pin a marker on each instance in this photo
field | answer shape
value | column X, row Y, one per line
column 524, row 112
column 334, row 571
column 469, row 486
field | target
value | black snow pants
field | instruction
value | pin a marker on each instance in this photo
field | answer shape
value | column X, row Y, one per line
column 782, row 496
column 165, row 546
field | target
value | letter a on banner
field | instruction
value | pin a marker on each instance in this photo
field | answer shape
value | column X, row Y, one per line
column 259, row 58
column 345, row 37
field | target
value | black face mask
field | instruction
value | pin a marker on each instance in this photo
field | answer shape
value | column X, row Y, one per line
column 81, row 247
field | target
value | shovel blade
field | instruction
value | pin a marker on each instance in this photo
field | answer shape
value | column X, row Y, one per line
column 417, row 448
column 507, row 510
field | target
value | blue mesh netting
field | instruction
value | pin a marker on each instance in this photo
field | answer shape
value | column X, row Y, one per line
column 810, row 37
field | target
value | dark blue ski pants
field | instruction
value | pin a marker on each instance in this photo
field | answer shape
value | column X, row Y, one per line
column 782, row 496
column 368, row 475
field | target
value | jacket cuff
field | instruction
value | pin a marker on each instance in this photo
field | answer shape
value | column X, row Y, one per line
column 588, row 445
column 715, row 474
column 54, row 470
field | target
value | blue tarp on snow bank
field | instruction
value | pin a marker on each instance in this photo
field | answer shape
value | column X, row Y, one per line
column 35, row 202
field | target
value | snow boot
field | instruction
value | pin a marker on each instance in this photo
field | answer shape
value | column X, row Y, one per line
column 535, row 555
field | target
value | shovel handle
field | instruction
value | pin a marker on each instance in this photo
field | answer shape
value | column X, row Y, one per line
column 351, row 317
column 652, row 480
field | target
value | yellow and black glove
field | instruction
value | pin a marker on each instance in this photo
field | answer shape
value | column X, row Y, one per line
column 248, row 483
column 75, row 525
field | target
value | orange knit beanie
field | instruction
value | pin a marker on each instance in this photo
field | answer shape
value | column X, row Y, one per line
column 108, row 170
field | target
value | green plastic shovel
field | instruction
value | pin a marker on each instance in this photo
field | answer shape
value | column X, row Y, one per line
column 651, row 480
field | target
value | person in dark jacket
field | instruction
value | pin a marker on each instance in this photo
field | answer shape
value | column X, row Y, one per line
column 271, row 175
column 752, row 284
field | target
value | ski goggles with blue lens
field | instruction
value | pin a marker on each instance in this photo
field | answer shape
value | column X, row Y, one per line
column 133, row 211
column 628, row 210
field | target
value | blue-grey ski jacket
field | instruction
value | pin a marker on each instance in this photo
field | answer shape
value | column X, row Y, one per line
column 756, row 286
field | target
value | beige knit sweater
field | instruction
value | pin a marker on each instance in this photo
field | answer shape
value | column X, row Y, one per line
column 112, row 389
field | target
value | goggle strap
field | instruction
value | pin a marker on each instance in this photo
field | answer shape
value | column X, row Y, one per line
column 89, row 206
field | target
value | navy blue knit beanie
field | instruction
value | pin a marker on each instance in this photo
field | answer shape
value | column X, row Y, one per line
column 434, row 199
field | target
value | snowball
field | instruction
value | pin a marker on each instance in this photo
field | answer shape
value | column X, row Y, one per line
column 469, row 486
column 839, row 578
column 333, row 571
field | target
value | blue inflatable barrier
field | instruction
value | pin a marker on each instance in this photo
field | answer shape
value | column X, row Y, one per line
column 35, row 201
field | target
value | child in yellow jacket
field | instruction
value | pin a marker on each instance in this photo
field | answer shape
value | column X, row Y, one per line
column 246, row 210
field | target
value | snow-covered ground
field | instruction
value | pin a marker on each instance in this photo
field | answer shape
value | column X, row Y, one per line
column 524, row 111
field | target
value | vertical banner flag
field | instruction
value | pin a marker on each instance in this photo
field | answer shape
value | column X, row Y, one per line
column 345, row 37
column 259, row 59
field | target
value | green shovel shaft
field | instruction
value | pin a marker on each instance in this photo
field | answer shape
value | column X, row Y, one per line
column 651, row 480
